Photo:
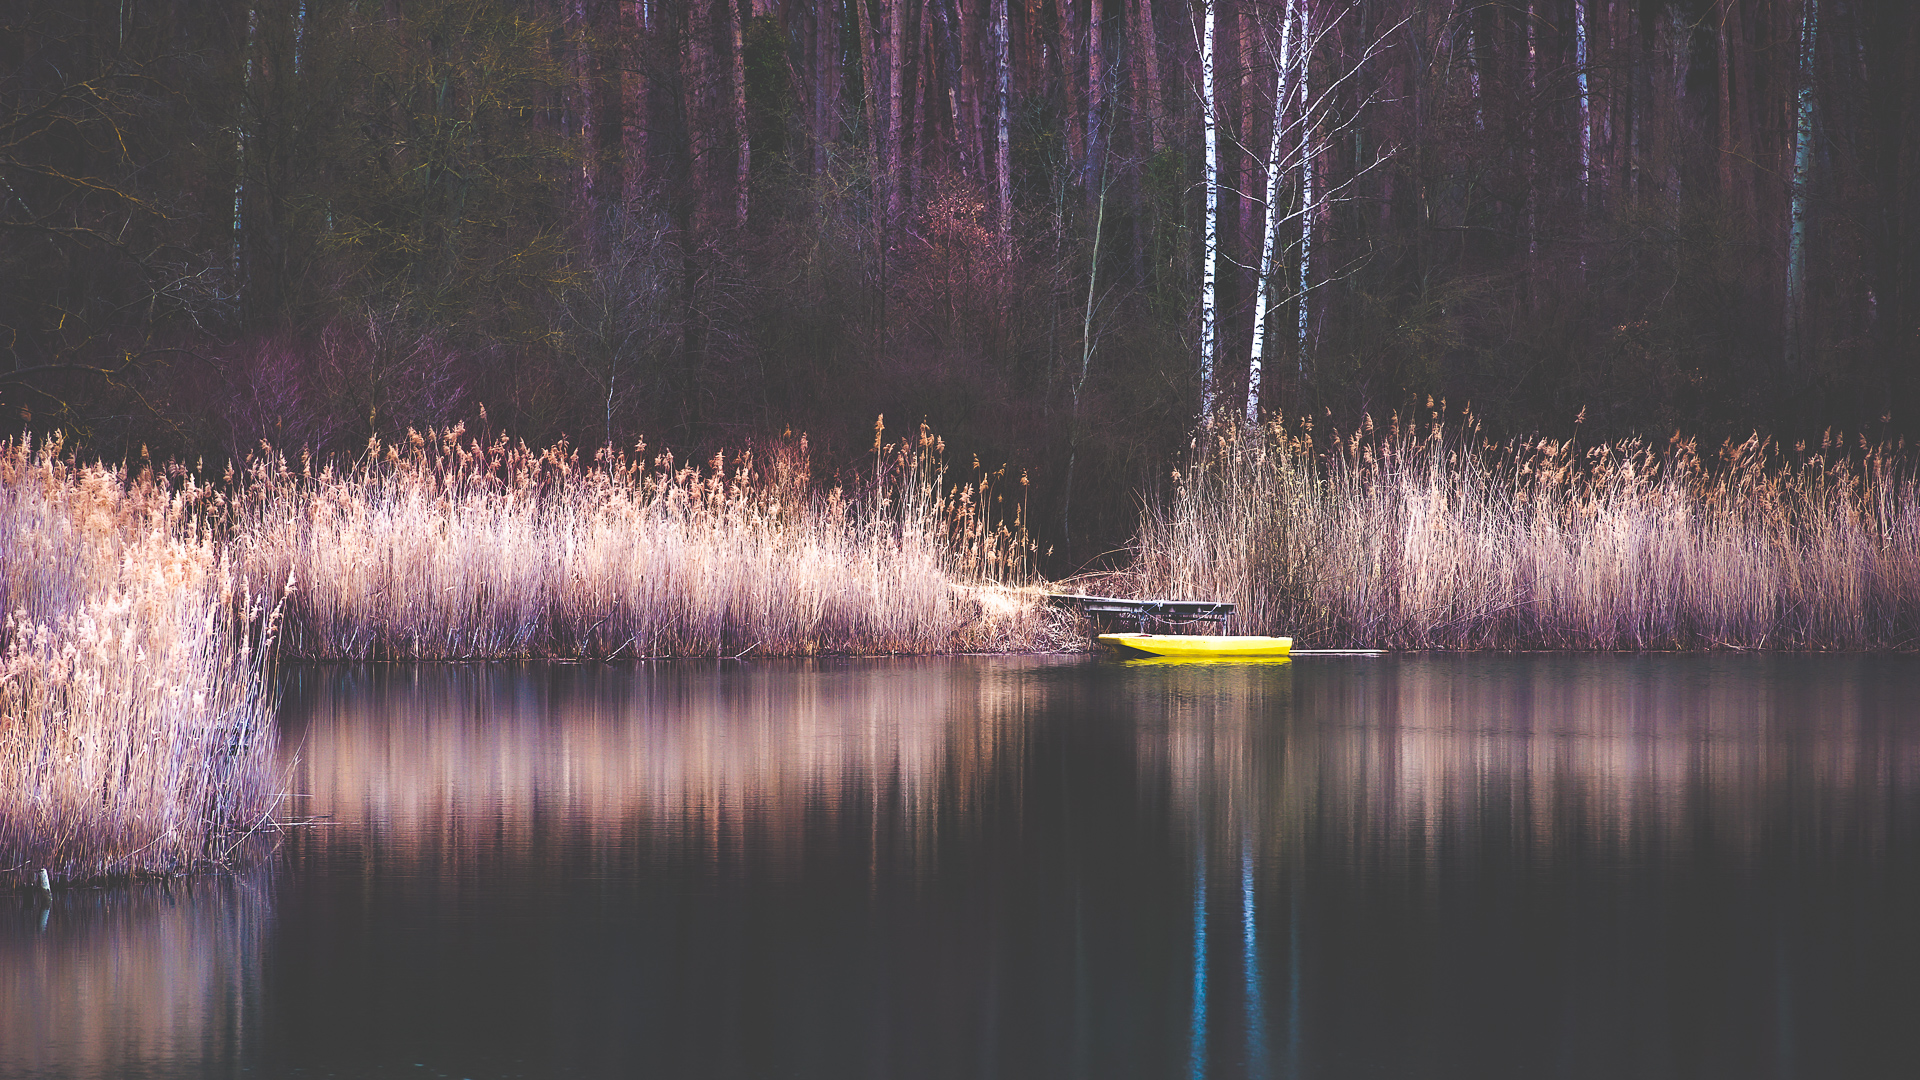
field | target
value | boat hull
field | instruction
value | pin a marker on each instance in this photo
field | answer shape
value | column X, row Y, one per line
column 1193, row 646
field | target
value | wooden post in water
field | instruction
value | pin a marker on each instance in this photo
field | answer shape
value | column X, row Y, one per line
column 45, row 883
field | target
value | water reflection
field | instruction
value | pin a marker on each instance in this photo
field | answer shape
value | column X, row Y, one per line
column 102, row 982
column 1255, row 994
column 1604, row 865
column 1197, row 1028
column 805, row 869
column 1434, row 866
column 1395, row 762
column 464, row 768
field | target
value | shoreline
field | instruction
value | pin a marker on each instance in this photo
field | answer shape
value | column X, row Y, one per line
column 146, row 613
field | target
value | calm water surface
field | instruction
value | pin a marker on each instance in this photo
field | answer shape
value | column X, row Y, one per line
column 1409, row 867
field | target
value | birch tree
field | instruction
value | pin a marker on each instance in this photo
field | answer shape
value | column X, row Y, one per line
column 1312, row 131
column 1580, row 80
column 1211, row 242
column 1307, row 192
column 1263, row 296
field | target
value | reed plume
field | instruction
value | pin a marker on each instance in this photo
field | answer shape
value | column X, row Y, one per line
column 1428, row 536
column 446, row 547
column 136, row 704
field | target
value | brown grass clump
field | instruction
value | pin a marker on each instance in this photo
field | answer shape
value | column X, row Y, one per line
column 1425, row 537
column 450, row 548
column 136, row 709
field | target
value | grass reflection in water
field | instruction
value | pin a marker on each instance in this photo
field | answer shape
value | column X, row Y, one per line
column 1449, row 866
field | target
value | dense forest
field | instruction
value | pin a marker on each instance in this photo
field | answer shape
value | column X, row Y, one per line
column 1059, row 231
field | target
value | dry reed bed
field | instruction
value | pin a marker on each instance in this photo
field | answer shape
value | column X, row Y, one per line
column 447, row 548
column 136, row 706
column 1431, row 537
column 136, row 732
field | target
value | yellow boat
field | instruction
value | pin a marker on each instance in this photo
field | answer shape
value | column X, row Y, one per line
column 1193, row 646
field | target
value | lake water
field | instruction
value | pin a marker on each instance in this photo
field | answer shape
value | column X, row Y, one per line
column 1448, row 866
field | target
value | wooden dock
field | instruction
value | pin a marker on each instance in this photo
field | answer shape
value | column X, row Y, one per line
column 1112, row 609
column 1107, row 610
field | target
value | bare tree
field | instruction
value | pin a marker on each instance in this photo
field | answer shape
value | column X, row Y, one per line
column 1802, row 169
column 616, row 312
column 1146, row 58
column 1003, row 142
column 896, row 104
column 105, row 276
column 1298, row 143
column 743, row 164
column 1263, row 296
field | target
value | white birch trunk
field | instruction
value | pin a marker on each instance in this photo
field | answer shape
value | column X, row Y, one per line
column 1802, row 165
column 1580, row 77
column 1307, row 193
column 1263, row 298
column 1211, row 243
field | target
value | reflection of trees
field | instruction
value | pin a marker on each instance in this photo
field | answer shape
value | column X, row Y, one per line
column 468, row 767
column 1643, row 756
column 1680, row 865
column 118, row 981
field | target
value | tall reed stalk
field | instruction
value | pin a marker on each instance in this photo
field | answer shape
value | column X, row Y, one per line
column 449, row 548
column 1430, row 537
column 136, row 708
